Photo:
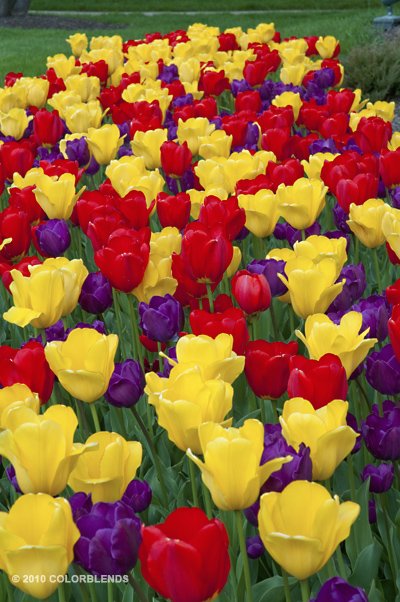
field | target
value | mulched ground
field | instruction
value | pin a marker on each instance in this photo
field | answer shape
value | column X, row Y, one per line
column 56, row 22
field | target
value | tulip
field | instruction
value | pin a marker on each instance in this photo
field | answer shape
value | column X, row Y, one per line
column 231, row 469
column 56, row 196
column 191, row 130
column 17, row 395
column 317, row 248
column 41, row 448
column 78, row 43
column 214, row 356
column 14, row 123
column 15, row 233
column 187, row 543
column 381, row 433
column 16, row 157
column 302, row 526
column 48, row 127
column 262, row 212
column 383, row 371
column 80, row 116
column 148, row 144
column 301, row 204
column 230, row 321
column 391, row 230
column 251, row 291
column 380, row 477
column 319, row 381
column 186, row 400
column 162, row 319
column 354, row 286
column 375, row 314
column 104, row 143
column 37, row 553
column 130, row 173
column 175, row 158
column 337, row 588
column 366, row 222
column 270, row 268
column 267, row 367
column 324, row 431
column 173, row 210
column 84, row 362
column 96, row 293
column 227, row 214
column 323, row 336
column 109, row 536
column 61, row 278
column 126, row 384
column 106, row 471
column 52, row 237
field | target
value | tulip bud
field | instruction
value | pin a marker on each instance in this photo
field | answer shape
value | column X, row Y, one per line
column 251, row 291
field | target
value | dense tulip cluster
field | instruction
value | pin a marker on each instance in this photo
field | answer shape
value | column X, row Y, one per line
column 200, row 346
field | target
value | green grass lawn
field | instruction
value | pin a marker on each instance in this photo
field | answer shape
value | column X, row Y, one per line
column 26, row 49
column 207, row 5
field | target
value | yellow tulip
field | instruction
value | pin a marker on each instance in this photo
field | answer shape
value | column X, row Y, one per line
column 81, row 116
column 29, row 179
column 216, row 144
column 63, row 101
column 84, row 362
column 100, row 42
column 158, row 279
column 104, row 142
column 106, row 472
column 37, row 538
column 312, row 287
column 41, row 447
column 301, row 204
column 57, row 195
column 384, row 110
column 17, row 395
column 231, row 469
column 293, row 74
column 87, row 87
column 391, row 229
column 191, row 130
column 289, row 99
column 130, row 173
column 262, row 211
column 215, row 357
column 366, row 221
column 14, row 123
column 344, row 339
column 62, row 280
column 148, row 146
column 112, row 56
column 302, row 526
column 315, row 163
column 326, row 46
column 63, row 66
column 235, row 262
column 78, row 43
column 37, row 90
column 318, row 248
column 394, row 143
column 324, row 431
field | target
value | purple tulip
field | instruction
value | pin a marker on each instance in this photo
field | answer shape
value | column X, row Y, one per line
column 255, row 547
column 96, row 293
column 395, row 197
column 126, row 384
column 162, row 319
column 381, row 477
column 353, row 288
column 78, row 150
column 270, row 268
column 286, row 232
column 341, row 218
column 52, row 237
column 168, row 73
column 375, row 311
column 337, row 589
column 138, row 495
column 382, row 433
column 383, row 371
column 110, row 536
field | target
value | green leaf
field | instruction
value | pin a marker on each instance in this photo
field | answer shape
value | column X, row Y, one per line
column 271, row 590
column 367, row 565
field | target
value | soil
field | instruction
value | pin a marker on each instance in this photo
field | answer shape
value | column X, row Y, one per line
column 56, row 22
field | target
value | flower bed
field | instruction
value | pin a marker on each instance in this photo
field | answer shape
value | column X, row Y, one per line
column 200, row 345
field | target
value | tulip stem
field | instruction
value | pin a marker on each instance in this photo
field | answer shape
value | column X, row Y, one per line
column 342, row 566
column 117, row 311
column 110, row 593
column 95, row 417
column 274, row 323
column 210, row 297
column 137, row 588
column 207, row 501
column 156, row 460
column 305, row 590
column 377, row 269
column 192, row 477
column 286, row 586
column 135, row 331
column 243, row 552
column 61, row 593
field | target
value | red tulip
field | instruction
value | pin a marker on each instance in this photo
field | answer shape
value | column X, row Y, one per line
column 393, row 293
column 227, row 41
column 394, row 330
column 24, row 200
column 340, row 101
column 226, row 214
column 175, row 158
column 213, row 83
column 276, row 117
column 251, row 291
column 48, row 127
column 286, row 173
column 15, row 224
column 124, row 258
column 173, row 210
column 16, row 157
column 231, row 321
column 22, row 266
column 256, row 71
column 319, row 381
column 277, row 140
column 389, row 167
column 373, row 134
column 267, row 367
column 186, row 558
column 362, row 187
column 248, row 100
column 29, row 366
column 312, row 115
